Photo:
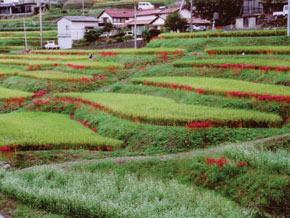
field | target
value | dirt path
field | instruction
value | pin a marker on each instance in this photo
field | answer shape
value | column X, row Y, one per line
column 171, row 156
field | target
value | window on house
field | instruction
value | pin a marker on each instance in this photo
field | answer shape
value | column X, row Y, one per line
column 67, row 27
column 105, row 20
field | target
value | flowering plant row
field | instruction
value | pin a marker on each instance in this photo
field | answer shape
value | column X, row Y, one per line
column 108, row 53
column 266, row 50
column 265, row 97
column 221, row 162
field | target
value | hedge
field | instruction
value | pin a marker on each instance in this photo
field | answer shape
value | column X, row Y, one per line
column 276, row 50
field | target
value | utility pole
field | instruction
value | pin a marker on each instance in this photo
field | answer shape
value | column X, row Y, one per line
column 191, row 19
column 24, row 28
column 25, row 36
column 288, row 20
column 83, row 5
column 135, row 26
column 40, row 23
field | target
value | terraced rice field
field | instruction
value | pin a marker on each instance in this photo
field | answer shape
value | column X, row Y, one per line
column 57, row 107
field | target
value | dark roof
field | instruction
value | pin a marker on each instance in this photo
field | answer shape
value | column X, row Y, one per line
column 118, row 13
column 170, row 10
column 16, row 4
column 148, row 12
column 80, row 18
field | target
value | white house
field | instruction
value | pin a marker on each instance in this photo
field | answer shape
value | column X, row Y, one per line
column 70, row 28
column 115, row 16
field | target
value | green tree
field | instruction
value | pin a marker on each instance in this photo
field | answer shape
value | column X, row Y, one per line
column 108, row 27
column 92, row 35
column 174, row 22
column 228, row 9
column 149, row 33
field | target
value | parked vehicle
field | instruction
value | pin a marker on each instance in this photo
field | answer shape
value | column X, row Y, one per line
column 145, row 6
column 105, row 34
column 128, row 33
column 51, row 45
column 281, row 13
column 198, row 28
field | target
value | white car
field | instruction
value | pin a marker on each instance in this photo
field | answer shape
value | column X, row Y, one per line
column 129, row 33
column 145, row 6
column 281, row 13
column 51, row 45
column 105, row 34
column 198, row 28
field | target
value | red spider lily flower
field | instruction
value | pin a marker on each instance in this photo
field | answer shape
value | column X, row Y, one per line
column 178, row 52
column 6, row 149
column 201, row 125
column 95, row 130
column 72, row 116
column 1, row 75
column 241, row 164
column 76, row 66
column 108, row 53
column 142, row 68
column 39, row 94
column 200, row 91
column 220, row 162
column 40, row 101
column 112, row 68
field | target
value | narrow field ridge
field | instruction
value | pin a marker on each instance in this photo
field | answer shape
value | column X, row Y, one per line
column 169, row 156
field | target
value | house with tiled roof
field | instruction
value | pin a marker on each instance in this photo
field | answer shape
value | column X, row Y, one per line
column 115, row 16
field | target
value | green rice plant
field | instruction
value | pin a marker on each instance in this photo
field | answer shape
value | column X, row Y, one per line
column 217, row 85
column 248, row 33
column 43, row 57
column 114, row 195
column 51, row 33
column 164, row 111
column 200, row 44
column 72, row 64
column 54, row 75
column 270, row 50
column 9, row 71
column 141, row 51
column 29, row 130
column 12, row 93
column 242, row 63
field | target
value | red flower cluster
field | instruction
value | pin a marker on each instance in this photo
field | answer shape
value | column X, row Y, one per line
column 140, row 68
column 220, row 162
column 39, row 94
column 79, row 100
column 174, row 86
column 76, row 66
column 40, row 101
column 88, row 125
column 163, row 54
column 264, row 97
column 85, row 79
column 214, row 52
column 15, row 101
column 1, row 75
column 34, row 67
column 179, row 52
column 200, row 125
column 112, row 68
column 6, row 149
column 157, row 37
column 108, row 53
column 241, row 164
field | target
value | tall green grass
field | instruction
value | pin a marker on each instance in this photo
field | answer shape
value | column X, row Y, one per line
column 28, row 130
column 248, row 33
column 218, row 85
column 164, row 111
column 53, row 75
column 278, row 50
column 114, row 195
column 12, row 93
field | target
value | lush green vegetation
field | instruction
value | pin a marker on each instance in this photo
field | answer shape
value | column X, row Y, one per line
column 140, row 51
column 217, row 85
column 54, row 75
column 29, row 130
column 226, row 63
column 199, row 44
column 248, row 33
column 73, row 64
column 114, row 195
column 279, row 50
column 11, row 93
column 163, row 111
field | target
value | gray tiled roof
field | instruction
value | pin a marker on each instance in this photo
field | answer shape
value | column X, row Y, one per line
column 81, row 18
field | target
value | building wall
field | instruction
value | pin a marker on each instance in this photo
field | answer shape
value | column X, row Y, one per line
column 105, row 16
column 69, row 31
